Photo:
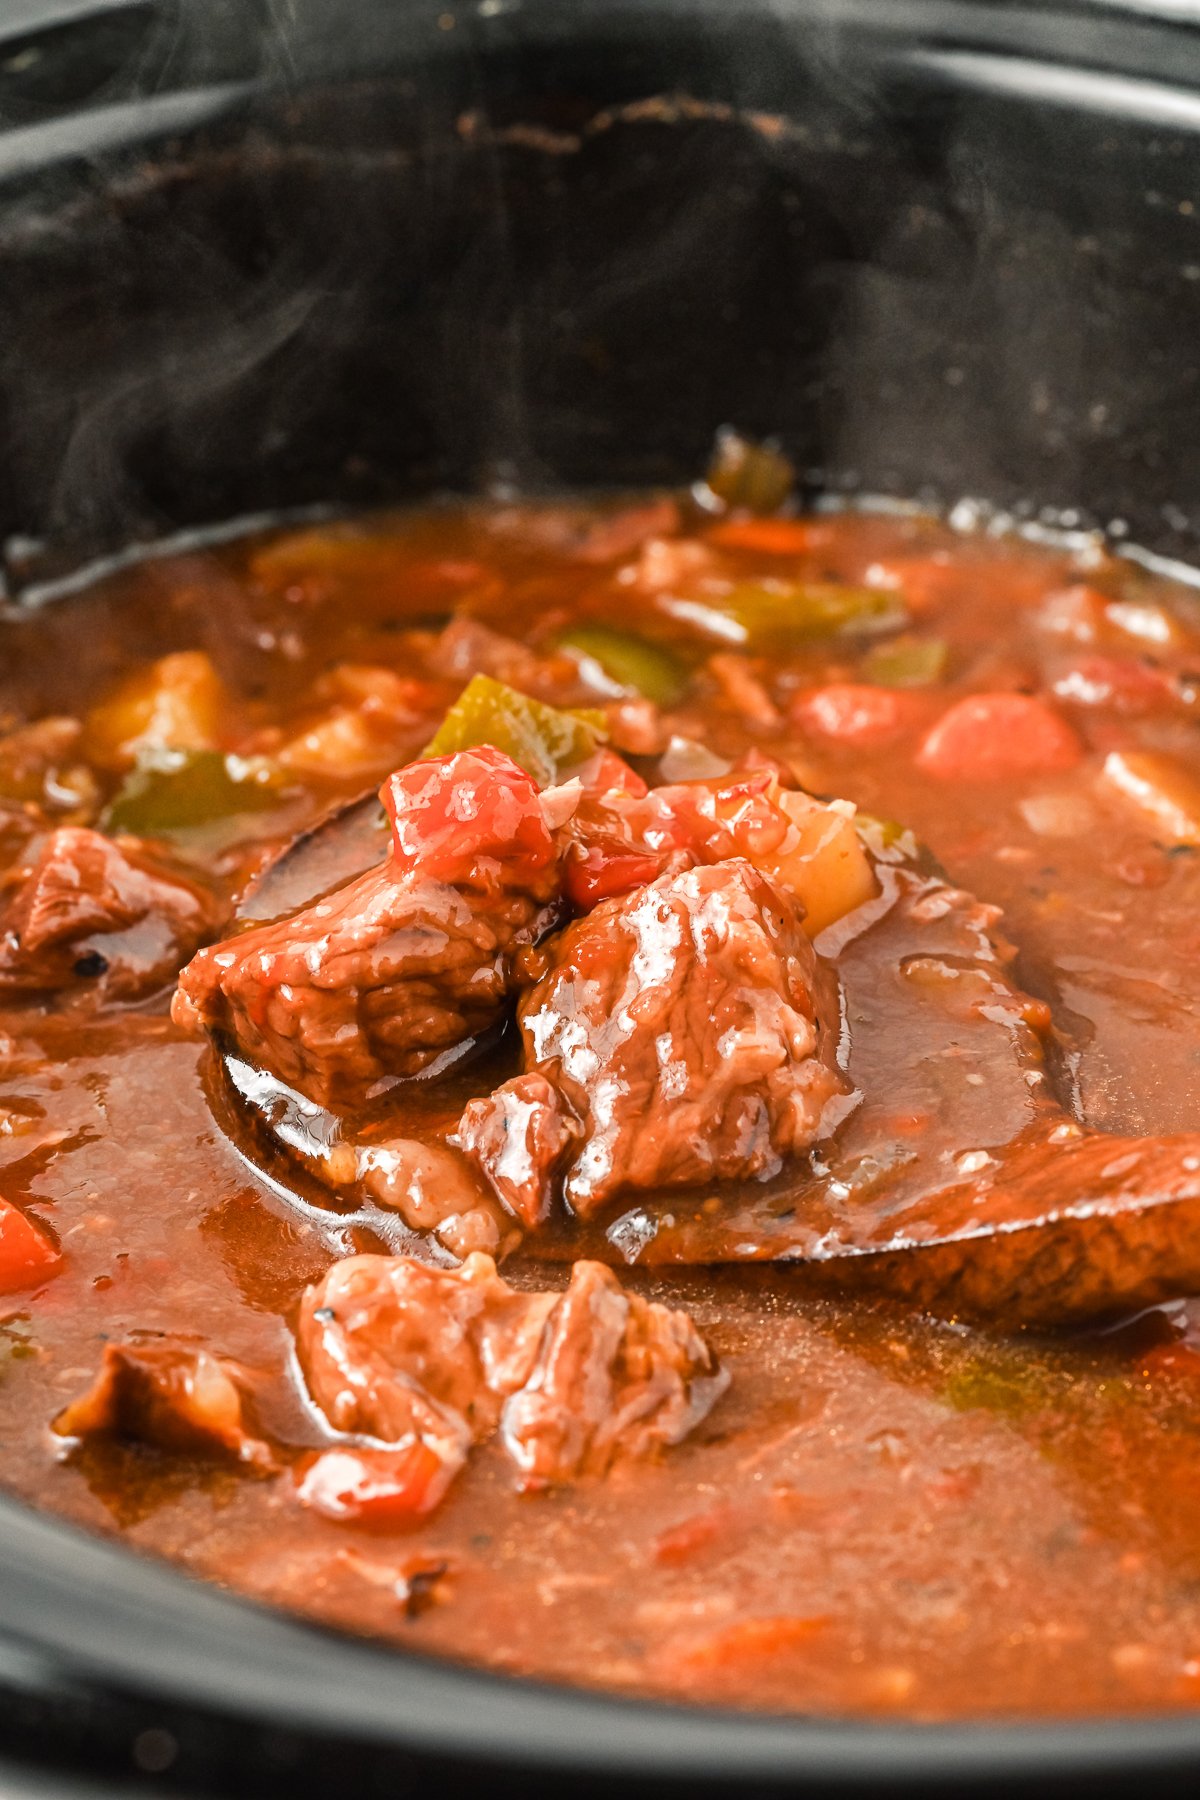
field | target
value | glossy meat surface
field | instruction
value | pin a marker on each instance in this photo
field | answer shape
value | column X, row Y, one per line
column 409, row 962
column 615, row 1376
column 90, row 917
column 395, row 1351
column 678, row 1027
column 373, row 983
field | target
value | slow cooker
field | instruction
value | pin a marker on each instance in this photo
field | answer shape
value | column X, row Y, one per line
column 259, row 257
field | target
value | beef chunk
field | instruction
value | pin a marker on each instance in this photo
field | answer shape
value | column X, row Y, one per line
column 169, row 1395
column 411, row 960
column 615, row 1374
column 676, row 1030
column 519, row 1136
column 393, row 1349
column 401, row 1353
column 435, row 1189
column 959, row 1184
column 99, row 916
column 374, row 982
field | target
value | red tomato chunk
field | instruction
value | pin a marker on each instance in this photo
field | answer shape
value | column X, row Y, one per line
column 391, row 1486
column 450, row 812
column 856, row 713
column 999, row 737
column 26, row 1254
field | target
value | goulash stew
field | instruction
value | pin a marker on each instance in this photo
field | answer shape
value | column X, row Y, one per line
column 607, row 1089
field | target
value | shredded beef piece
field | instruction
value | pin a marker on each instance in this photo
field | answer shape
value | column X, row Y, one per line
column 97, row 915
column 436, row 1189
column 677, row 1034
column 398, row 1352
column 410, row 961
column 393, row 1349
column 519, row 1137
column 168, row 1395
column 615, row 1374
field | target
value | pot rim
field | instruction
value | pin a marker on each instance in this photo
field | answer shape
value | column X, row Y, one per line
column 87, row 1620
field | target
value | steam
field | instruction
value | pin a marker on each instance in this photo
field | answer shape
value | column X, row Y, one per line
column 417, row 294
column 167, row 392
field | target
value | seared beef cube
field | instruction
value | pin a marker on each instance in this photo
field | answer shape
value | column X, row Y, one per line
column 401, row 1353
column 95, row 915
column 411, row 960
column 676, row 1030
column 168, row 1395
column 375, row 981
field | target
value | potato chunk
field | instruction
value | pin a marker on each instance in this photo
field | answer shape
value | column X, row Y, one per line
column 1165, row 793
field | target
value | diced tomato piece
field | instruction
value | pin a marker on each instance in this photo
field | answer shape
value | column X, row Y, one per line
column 618, row 841
column 731, row 815
column 998, row 737
column 27, row 1255
column 378, row 1487
column 608, row 773
column 601, row 872
column 771, row 537
column 755, row 1641
column 853, row 712
column 756, row 761
column 452, row 816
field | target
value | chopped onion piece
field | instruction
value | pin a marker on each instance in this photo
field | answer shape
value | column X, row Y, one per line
column 1058, row 815
column 686, row 760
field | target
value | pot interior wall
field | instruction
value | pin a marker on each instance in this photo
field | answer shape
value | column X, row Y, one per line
column 532, row 267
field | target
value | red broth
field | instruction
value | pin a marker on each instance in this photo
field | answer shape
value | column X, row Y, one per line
column 887, row 1512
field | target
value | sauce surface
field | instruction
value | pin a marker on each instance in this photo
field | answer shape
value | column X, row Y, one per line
column 886, row 1512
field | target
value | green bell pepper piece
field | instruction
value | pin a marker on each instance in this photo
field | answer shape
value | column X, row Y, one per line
column 541, row 739
column 907, row 662
column 177, row 791
column 770, row 615
column 631, row 661
column 756, row 477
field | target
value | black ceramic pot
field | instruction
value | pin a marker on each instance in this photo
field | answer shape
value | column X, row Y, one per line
column 259, row 256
